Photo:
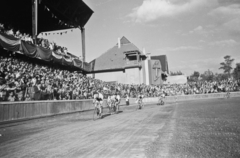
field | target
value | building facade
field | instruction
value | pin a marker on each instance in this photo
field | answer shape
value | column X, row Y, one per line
column 125, row 63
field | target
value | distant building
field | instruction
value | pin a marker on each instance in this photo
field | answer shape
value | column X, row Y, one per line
column 125, row 63
column 179, row 79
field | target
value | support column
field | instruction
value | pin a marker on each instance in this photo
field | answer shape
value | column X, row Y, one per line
column 34, row 20
column 139, row 75
column 83, row 46
column 147, row 73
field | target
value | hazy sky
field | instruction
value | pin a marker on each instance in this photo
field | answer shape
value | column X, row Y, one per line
column 194, row 34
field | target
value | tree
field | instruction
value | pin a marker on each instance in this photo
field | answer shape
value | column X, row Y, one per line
column 220, row 77
column 227, row 65
column 207, row 76
column 194, row 76
column 236, row 71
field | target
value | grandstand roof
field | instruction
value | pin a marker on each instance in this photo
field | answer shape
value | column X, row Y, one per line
column 52, row 14
column 114, row 58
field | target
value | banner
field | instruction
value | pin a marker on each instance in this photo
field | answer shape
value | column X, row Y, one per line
column 9, row 42
column 57, row 58
column 34, row 51
column 44, row 54
column 87, row 67
column 67, row 61
column 14, row 44
column 28, row 49
column 77, row 63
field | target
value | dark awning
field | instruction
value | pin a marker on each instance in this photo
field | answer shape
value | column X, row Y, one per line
column 52, row 14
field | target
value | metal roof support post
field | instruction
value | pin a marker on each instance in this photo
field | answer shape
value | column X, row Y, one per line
column 83, row 46
column 139, row 68
column 139, row 75
column 34, row 20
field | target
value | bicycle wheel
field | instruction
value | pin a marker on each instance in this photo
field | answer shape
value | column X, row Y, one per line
column 109, row 109
column 100, row 114
column 137, row 106
column 114, row 108
column 94, row 113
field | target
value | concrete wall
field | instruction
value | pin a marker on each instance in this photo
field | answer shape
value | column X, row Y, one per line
column 180, row 79
column 119, row 76
column 10, row 111
column 133, row 75
column 192, row 97
column 155, row 78
column 149, row 72
column 22, row 110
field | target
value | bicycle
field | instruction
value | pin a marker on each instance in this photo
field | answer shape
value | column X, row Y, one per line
column 97, row 110
column 140, row 104
column 112, row 107
column 117, row 106
column 160, row 101
column 228, row 95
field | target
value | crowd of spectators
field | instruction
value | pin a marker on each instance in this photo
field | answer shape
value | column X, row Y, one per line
column 16, row 33
column 45, row 43
column 25, row 79
column 22, row 79
column 52, row 46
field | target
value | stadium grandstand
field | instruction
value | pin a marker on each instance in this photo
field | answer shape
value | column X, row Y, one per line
column 34, row 69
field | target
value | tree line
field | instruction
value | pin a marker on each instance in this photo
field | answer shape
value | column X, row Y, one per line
column 227, row 68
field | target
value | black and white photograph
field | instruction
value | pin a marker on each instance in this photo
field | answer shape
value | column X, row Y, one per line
column 120, row 79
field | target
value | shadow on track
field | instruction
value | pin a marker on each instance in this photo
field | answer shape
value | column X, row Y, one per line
column 106, row 115
column 119, row 112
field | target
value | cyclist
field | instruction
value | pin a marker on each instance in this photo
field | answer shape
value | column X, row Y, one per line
column 161, row 98
column 118, row 100
column 113, row 102
column 97, row 101
column 140, row 100
column 109, row 103
column 228, row 92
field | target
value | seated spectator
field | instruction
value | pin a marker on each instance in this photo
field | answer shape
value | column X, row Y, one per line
column 11, row 97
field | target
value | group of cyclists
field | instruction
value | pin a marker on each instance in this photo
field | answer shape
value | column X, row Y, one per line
column 113, row 102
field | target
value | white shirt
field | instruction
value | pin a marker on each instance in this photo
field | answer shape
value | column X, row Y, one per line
column 100, row 95
column 118, row 97
column 113, row 97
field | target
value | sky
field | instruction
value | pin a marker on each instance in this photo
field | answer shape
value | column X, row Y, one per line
column 195, row 35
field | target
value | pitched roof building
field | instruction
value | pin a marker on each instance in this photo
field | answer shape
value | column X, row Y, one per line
column 115, row 59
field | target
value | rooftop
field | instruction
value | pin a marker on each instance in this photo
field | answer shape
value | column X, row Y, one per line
column 114, row 58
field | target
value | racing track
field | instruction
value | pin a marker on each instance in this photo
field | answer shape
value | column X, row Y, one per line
column 203, row 128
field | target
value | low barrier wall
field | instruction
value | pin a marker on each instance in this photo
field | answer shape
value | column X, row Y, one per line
column 10, row 111
column 193, row 97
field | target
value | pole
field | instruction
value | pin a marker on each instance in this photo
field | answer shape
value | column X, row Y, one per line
column 34, row 20
column 139, row 74
column 83, row 46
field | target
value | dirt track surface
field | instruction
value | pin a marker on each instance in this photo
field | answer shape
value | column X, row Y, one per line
column 203, row 128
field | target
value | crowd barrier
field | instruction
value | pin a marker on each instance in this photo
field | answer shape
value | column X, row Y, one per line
column 12, row 111
column 193, row 97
